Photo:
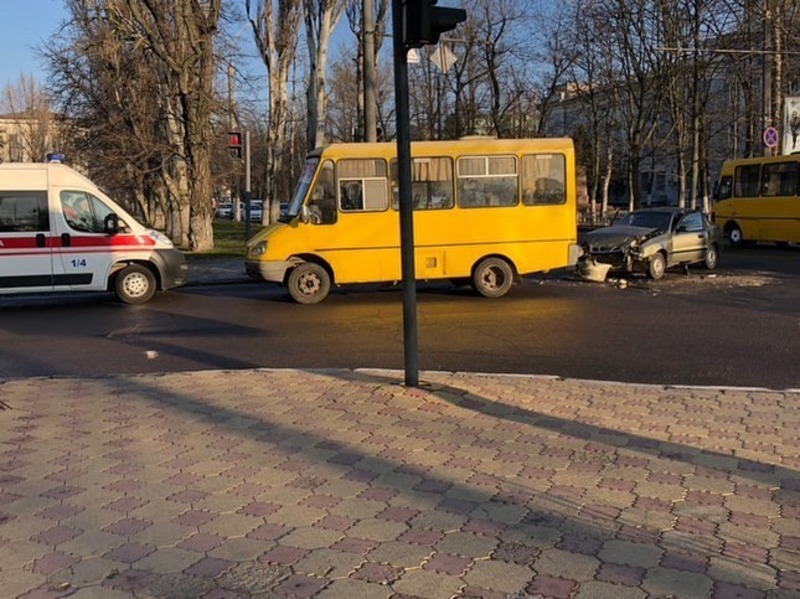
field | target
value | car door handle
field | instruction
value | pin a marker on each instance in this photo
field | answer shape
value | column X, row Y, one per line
column 40, row 240
column 66, row 240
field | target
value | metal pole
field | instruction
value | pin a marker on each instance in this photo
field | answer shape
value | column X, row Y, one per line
column 247, row 185
column 766, row 80
column 370, row 105
column 410, row 345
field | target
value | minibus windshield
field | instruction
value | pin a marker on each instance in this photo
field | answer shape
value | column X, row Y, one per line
column 306, row 177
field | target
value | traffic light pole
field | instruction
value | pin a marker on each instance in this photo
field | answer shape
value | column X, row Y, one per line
column 247, row 188
column 410, row 342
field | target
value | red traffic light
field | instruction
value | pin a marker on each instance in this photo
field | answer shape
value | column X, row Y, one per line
column 235, row 144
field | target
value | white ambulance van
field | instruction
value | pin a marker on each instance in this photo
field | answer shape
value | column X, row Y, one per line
column 59, row 232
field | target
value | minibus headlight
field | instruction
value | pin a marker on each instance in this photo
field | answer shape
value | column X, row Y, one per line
column 159, row 237
column 259, row 249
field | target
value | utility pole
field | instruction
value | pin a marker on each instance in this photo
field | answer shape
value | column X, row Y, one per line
column 247, row 187
column 368, row 37
column 766, row 78
column 410, row 339
column 415, row 23
column 232, row 124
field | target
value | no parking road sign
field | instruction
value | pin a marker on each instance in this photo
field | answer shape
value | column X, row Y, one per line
column 771, row 137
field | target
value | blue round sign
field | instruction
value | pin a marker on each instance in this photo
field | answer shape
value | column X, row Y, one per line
column 771, row 137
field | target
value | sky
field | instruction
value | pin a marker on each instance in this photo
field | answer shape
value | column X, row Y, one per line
column 24, row 24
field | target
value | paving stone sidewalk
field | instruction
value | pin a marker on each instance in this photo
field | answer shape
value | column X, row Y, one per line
column 345, row 484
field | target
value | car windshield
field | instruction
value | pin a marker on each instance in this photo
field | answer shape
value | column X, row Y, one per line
column 647, row 220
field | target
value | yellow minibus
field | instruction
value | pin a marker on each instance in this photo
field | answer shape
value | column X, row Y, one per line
column 486, row 211
column 758, row 199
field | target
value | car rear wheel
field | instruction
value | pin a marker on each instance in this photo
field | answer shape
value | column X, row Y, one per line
column 493, row 277
column 712, row 257
column 309, row 283
column 135, row 284
column 657, row 266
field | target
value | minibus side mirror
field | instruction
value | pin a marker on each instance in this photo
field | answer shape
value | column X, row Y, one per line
column 112, row 224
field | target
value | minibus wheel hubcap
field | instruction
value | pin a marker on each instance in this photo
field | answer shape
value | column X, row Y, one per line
column 309, row 283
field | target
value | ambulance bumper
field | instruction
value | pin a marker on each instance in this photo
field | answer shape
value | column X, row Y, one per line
column 172, row 266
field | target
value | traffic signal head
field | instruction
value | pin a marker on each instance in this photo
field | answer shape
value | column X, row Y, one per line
column 235, row 144
column 424, row 22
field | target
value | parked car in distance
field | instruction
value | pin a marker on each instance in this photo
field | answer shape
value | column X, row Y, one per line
column 225, row 210
column 651, row 240
column 256, row 211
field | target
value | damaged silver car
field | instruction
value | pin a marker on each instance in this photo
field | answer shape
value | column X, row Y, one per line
column 651, row 240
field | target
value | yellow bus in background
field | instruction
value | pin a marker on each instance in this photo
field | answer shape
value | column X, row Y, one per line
column 486, row 211
column 758, row 199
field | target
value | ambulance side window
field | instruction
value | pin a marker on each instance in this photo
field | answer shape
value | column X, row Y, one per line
column 24, row 211
column 84, row 212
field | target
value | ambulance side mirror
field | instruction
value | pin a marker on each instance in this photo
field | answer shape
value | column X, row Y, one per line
column 112, row 224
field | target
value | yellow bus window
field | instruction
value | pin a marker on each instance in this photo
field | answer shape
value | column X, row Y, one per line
column 362, row 185
column 322, row 203
column 745, row 181
column 487, row 181
column 780, row 179
column 431, row 183
column 543, row 179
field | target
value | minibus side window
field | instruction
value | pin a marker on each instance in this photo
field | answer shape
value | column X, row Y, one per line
column 24, row 211
column 487, row 181
column 431, row 183
column 322, row 202
column 745, row 181
column 780, row 179
column 723, row 191
column 362, row 185
column 543, row 179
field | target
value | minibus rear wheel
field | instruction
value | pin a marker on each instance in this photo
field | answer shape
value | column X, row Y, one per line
column 492, row 277
column 308, row 283
column 135, row 284
column 734, row 233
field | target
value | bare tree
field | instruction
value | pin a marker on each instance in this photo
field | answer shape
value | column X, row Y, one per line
column 102, row 80
column 39, row 129
column 592, row 76
column 275, row 25
column 144, row 70
column 180, row 34
column 321, row 18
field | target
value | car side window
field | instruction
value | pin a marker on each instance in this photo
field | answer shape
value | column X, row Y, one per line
column 691, row 223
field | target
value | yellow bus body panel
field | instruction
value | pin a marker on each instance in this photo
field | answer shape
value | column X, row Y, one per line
column 761, row 218
column 364, row 247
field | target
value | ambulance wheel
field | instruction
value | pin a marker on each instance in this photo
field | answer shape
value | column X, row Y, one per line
column 135, row 284
column 308, row 283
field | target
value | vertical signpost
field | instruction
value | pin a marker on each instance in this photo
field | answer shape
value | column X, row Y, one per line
column 415, row 23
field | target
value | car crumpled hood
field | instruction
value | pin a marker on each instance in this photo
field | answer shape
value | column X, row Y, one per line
column 615, row 236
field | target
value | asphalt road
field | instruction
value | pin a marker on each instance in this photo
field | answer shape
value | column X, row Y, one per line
column 736, row 327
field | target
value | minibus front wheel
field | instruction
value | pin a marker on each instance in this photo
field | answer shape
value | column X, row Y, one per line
column 492, row 277
column 308, row 283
